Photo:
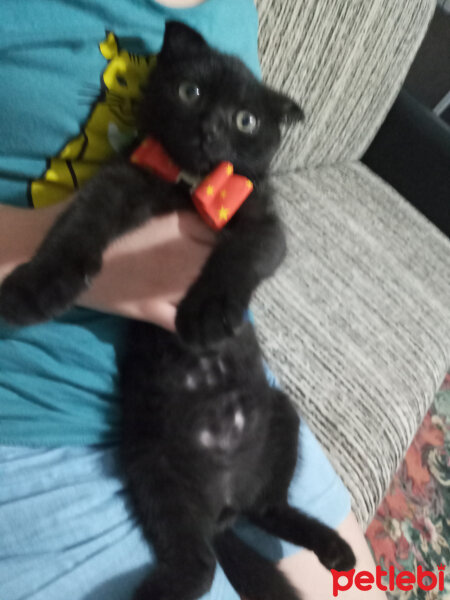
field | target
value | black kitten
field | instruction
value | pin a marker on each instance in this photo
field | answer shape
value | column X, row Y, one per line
column 204, row 107
column 206, row 439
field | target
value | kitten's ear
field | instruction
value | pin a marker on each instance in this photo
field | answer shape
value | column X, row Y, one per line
column 284, row 108
column 179, row 40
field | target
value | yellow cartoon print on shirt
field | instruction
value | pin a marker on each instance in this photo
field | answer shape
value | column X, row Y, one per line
column 110, row 126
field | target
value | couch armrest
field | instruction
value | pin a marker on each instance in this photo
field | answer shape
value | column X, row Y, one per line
column 356, row 322
column 344, row 61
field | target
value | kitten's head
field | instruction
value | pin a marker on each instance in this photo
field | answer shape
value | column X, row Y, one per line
column 206, row 107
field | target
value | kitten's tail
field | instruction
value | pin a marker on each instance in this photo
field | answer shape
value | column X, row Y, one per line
column 251, row 575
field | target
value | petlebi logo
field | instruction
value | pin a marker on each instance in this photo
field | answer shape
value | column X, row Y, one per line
column 404, row 580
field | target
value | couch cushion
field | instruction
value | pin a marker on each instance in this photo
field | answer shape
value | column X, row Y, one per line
column 356, row 323
column 345, row 62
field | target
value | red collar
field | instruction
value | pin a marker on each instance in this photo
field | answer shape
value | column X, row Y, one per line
column 217, row 197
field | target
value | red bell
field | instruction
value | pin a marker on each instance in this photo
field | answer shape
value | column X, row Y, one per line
column 216, row 198
column 220, row 195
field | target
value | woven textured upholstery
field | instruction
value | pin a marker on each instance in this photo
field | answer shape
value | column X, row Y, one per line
column 356, row 323
column 344, row 61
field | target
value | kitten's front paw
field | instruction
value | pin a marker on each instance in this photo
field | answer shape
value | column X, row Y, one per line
column 205, row 318
column 31, row 294
column 18, row 297
column 336, row 554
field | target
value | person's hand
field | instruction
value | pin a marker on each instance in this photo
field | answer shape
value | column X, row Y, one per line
column 147, row 272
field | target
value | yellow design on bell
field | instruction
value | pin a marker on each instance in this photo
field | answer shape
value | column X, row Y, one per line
column 229, row 169
column 223, row 214
column 210, row 190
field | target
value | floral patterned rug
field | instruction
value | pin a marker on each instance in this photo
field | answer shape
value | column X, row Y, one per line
column 412, row 525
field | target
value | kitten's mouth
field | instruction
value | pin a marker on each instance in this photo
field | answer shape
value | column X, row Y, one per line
column 205, row 167
column 195, row 158
column 199, row 163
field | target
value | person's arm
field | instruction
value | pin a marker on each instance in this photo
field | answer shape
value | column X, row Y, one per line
column 145, row 273
column 21, row 231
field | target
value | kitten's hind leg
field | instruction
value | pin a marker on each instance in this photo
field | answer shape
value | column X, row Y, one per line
column 292, row 525
column 187, row 579
column 178, row 531
column 185, row 565
column 252, row 576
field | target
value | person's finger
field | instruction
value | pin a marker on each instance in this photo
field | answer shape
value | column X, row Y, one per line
column 191, row 225
column 164, row 316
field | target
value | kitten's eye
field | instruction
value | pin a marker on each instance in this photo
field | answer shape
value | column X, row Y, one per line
column 189, row 92
column 246, row 122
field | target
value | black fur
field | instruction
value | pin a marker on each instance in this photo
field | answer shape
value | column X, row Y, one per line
column 206, row 439
column 122, row 196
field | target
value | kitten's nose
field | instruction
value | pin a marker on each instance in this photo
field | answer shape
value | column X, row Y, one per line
column 213, row 127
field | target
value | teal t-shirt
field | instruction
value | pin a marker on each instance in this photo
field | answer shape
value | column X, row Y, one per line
column 71, row 75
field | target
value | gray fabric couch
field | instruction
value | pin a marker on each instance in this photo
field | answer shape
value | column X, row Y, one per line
column 356, row 324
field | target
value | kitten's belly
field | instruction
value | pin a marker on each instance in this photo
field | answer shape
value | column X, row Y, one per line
column 231, row 492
